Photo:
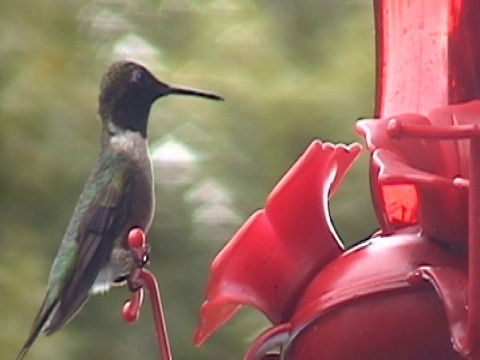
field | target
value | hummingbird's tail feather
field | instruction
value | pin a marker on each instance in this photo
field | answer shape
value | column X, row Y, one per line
column 64, row 314
column 37, row 327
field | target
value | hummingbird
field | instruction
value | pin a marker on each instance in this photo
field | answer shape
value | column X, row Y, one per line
column 118, row 196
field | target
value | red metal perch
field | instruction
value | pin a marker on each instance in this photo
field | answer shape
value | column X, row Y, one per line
column 139, row 279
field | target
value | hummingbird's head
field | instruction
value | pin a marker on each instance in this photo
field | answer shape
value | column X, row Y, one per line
column 127, row 92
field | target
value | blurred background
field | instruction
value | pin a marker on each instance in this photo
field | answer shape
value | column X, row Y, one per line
column 290, row 71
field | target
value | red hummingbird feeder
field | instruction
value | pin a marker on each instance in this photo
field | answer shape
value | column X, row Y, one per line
column 411, row 291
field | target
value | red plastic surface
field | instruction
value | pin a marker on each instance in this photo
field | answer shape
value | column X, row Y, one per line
column 413, row 290
column 252, row 268
column 374, row 303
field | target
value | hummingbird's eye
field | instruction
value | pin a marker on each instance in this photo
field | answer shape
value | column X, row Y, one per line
column 137, row 75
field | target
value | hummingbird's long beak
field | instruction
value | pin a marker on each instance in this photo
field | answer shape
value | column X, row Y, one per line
column 172, row 90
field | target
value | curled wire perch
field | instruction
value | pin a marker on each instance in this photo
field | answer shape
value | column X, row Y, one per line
column 139, row 279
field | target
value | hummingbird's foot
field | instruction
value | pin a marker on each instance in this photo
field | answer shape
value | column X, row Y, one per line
column 138, row 258
column 134, row 281
column 134, row 286
column 143, row 261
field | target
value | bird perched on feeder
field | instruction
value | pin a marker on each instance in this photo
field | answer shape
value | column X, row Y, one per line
column 118, row 196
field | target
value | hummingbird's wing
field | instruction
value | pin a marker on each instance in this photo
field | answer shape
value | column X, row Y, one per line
column 97, row 221
column 102, row 224
column 38, row 323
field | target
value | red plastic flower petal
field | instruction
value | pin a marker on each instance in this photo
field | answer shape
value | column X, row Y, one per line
column 275, row 254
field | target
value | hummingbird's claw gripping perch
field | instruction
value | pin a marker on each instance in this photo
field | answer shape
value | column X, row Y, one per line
column 139, row 279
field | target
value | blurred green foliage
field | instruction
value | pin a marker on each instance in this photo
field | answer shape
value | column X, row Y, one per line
column 290, row 71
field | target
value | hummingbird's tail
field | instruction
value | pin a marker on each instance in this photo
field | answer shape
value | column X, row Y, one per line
column 37, row 327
